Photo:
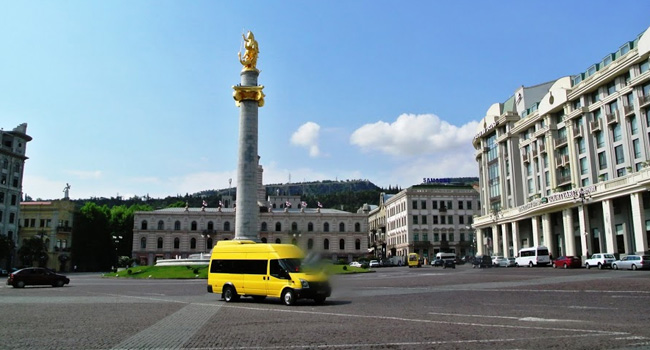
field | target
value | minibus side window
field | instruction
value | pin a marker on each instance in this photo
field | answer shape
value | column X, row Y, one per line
column 276, row 270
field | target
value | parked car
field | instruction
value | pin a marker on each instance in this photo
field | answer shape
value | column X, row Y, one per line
column 567, row 261
column 633, row 262
column 3, row 272
column 449, row 263
column 374, row 263
column 600, row 260
column 355, row 264
column 500, row 261
column 33, row 276
column 481, row 261
column 512, row 262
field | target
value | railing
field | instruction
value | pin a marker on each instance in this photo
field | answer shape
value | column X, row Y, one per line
column 559, row 142
column 542, row 147
column 561, row 160
column 524, row 157
column 563, row 179
column 644, row 100
column 627, row 109
column 612, row 117
column 577, row 131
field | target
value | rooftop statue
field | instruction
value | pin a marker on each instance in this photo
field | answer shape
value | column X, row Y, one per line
column 249, row 61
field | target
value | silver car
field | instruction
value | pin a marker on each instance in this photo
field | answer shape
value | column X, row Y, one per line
column 633, row 262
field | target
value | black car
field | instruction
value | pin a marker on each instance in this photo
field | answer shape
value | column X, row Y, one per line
column 33, row 276
column 481, row 261
column 448, row 263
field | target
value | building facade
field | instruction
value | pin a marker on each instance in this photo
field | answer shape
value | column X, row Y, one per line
column 13, row 146
column 565, row 164
column 52, row 222
column 430, row 218
column 181, row 232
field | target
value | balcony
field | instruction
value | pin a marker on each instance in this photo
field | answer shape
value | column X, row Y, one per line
column 542, row 147
column 612, row 118
column 561, row 180
column 644, row 101
column 535, row 152
column 596, row 125
column 525, row 158
column 561, row 160
column 628, row 110
column 577, row 131
column 559, row 142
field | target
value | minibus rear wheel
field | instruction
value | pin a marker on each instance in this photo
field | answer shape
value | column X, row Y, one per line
column 288, row 297
column 229, row 294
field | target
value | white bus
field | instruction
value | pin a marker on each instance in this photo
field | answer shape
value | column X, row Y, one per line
column 533, row 256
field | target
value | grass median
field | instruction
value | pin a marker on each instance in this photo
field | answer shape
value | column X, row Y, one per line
column 201, row 272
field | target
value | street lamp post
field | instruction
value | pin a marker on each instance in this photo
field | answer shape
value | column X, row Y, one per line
column 116, row 240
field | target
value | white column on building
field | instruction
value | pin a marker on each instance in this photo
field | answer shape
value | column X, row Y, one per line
column 479, row 242
column 504, row 240
column 585, row 231
column 514, row 227
column 610, row 234
column 535, row 223
column 638, row 222
column 546, row 233
column 496, row 238
column 569, row 237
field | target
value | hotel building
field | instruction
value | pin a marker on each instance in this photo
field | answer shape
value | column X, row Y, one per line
column 566, row 164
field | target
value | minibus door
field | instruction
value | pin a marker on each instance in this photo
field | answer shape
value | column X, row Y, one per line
column 278, row 278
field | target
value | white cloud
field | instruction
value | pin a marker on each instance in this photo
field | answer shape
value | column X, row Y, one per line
column 307, row 136
column 412, row 135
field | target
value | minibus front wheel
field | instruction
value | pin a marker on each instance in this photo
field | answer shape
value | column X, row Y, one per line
column 288, row 297
column 230, row 294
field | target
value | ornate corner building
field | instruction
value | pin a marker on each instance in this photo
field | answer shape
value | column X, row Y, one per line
column 13, row 146
column 566, row 164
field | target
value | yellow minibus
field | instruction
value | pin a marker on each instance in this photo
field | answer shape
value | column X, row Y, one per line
column 260, row 270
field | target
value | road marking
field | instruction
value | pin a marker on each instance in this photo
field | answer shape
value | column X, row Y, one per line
column 527, row 319
column 172, row 331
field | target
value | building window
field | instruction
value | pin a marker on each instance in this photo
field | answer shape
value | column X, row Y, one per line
column 143, row 225
column 278, row 227
column 341, row 244
column 177, row 243
column 209, row 244
column 620, row 157
column 177, row 225
column 469, row 205
column 637, row 148
column 600, row 139
column 644, row 66
column 415, row 219
column 611, row 87
column 602, row 161
column 226, row 226
column 160, row 243
column 451, row 237
column 436, row 237
column 434, row 205
column 584, row 168
column 193, row 226
column 210, row 225
column 450, row 205
column 634, row 127
column 310, row 227
column 326, row 244
column 443, row 220
column 581, row 146
column 264, row 227
column 341, row 227
column 461, row 220
column 450, row 219
column 424, row 219
column 310, row 244
column 294, row 226
column 13, row 199
column 616, row 132
column 193, row 243
column 357, row 227
column 143, row 243
column 435, row 219
column 425, row 237
column 415, row 204
column 357, row 244
column 460, row 204
column 161, row 225
column 416, row 237
column 326, row 227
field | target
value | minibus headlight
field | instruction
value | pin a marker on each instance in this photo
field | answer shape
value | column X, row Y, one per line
column 304, row 283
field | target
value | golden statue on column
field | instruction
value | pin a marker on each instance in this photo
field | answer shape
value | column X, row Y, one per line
column 249, row 61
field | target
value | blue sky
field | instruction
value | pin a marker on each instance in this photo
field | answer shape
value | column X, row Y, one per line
column 135, row 97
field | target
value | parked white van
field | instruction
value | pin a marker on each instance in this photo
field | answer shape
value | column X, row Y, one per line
column 533, row 256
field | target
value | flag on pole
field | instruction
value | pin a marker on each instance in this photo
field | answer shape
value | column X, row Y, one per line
column 304, row 204
column 320, row 205
column 220, row 204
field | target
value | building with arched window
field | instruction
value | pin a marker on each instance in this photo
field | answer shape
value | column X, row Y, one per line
column 181, row 232
column 566, row 164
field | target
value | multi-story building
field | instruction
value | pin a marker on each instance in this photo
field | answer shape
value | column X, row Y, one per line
column 431, row 218
column 377, row 227
column 13, row 146
column 181, row 232
column 565, row 164
column 52, row 222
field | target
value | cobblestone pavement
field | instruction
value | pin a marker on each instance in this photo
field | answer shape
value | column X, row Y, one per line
column 391, row 308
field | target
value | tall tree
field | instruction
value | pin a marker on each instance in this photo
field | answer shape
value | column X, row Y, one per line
column 33, row 250
column 92, row 248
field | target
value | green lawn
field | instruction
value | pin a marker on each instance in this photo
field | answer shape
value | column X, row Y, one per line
column 186, row 272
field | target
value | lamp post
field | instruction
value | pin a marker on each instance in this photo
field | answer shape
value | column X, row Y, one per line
column 116, row 240
column 583, row 197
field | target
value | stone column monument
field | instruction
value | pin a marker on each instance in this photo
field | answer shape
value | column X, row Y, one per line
column 249, row 97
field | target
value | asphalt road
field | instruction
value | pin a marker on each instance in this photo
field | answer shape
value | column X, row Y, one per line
column 392, row 308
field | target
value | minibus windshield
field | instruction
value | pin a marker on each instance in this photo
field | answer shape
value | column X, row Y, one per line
column 291, row 265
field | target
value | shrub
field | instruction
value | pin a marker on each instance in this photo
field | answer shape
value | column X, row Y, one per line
column 345, row 267
column 196, row 271
column 129, row 271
